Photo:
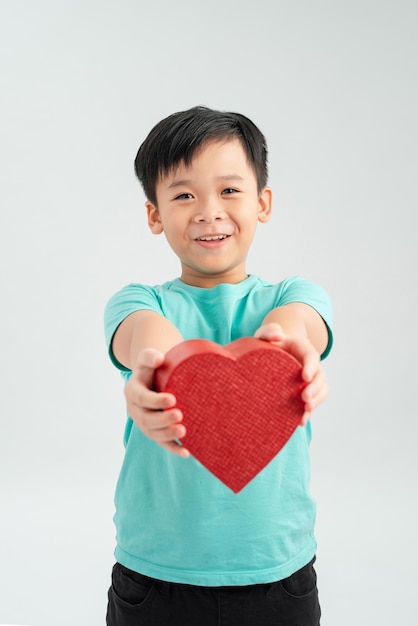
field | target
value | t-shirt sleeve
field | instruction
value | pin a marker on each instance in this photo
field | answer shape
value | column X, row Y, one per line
column 297, row 289
column 128, row 300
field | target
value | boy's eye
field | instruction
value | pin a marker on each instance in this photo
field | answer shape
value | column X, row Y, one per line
column 183, row 196
column 229, row 190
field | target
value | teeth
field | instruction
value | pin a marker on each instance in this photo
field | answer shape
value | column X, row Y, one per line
column 212, row 238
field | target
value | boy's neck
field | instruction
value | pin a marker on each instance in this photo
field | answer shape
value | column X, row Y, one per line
column 207, row 282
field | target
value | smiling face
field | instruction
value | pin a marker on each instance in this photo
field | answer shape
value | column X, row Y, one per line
column 209, row 212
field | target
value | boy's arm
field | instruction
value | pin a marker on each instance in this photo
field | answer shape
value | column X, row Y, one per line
column 140, row 343
column 140, row 330
column 301, row 331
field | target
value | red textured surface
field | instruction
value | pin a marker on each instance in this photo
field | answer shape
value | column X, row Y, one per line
column 241, row 403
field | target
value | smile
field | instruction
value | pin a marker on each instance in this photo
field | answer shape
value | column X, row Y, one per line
column 214, row 238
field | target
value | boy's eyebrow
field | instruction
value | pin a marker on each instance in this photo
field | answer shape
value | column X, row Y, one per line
column 185, row 181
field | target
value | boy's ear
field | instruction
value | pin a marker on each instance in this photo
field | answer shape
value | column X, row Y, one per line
column 154, row 220
column 265, row 203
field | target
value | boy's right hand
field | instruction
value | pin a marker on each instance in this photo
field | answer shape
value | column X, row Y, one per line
column 154, row 412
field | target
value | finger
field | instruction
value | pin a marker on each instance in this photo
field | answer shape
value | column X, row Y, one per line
column 313, row 388
column 169, row 433
column 306, row 417
column 142, row 398
column 312, row 402
column 159, row 420
column 306, row 354
column 138, row 397
column 176, row 448
column 154, row 424
column 148, row 361
column 320, row 396
column 270, row 332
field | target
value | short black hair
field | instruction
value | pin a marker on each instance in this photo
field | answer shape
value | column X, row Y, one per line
column 178, row 137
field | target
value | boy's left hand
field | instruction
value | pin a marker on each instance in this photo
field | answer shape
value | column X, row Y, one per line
column 313, row 374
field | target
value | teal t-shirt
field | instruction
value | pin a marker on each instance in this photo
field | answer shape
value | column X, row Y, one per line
column 176, row 521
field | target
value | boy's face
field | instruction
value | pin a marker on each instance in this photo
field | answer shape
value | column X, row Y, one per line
column 209, row 212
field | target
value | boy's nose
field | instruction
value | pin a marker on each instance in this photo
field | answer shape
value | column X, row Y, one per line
column 209, row 213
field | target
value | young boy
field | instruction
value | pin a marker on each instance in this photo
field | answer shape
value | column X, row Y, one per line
column 190, row 551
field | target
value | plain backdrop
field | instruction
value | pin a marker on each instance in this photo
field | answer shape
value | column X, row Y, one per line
column 333, row 85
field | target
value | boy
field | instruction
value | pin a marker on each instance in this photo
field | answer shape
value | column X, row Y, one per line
column 190, row 551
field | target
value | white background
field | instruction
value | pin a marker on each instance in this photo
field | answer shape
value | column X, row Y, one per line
column 333, row 85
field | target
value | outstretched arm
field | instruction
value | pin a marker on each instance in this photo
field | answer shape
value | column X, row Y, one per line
column 301, row 331
column 140, row 343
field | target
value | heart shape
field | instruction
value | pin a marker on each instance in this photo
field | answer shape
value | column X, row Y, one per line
column 241, row 403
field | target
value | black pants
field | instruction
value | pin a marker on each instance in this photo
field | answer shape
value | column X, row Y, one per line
column 136, row 600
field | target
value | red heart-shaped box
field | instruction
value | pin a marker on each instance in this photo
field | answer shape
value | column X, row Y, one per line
column 241, row 403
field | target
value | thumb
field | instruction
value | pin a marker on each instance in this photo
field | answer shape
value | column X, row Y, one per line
column 148, row 361
column 270, row 332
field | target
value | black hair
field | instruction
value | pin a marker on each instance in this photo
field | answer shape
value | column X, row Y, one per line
column 178, row 137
